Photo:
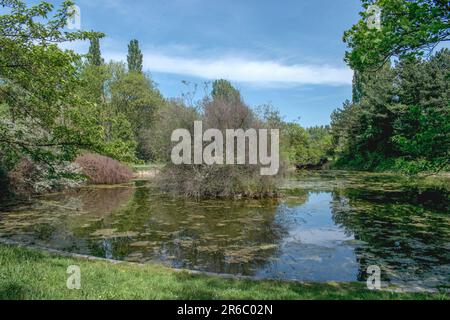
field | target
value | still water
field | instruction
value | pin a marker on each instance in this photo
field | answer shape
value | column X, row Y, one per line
column 327, row 227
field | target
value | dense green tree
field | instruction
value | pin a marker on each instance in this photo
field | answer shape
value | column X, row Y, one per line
column 135, row 57
column 363, row 130
column 422, row 128
column 94, row 55
column 306, row 146
column 357, row 87
column 92, row 82
column 224, row 90
column 320, row 143
column 136, row 96
column 402, row 120
column 94, row 74
column 399, row 116
column 42, row 116
column 297, row 144
column 118, row 140
column 409, row 28
column 345, row 125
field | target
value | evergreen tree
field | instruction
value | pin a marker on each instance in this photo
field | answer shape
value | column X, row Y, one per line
column 357, row 87
column 402, row 120
column 422, row 127
column 94, row 55
column 135, row 57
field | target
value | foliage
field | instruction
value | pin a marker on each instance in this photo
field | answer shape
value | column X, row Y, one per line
column 320, row 143
column 357, row 87
column 92, row 80
column 40, row 108
column 402, row 120
column 173, row 116
column 135, row 96
column 409, row 28
column 399, row 116
column 225, row 110
column 295, row 142
column 306, row 146
column 103, row 170
column 28, row 178
column 223, row 90
column 119, row 141
column 116, row 137
column 135, row 57
column 53, row 103
column 298, row 145
column 94, row 55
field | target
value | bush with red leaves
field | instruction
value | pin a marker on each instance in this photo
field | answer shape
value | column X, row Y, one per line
column 103, row 170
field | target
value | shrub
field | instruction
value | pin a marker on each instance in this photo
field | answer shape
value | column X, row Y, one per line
column 175, row 115
column 103, row 170
column 217, row 181
column 28, row 177
column 23, row 177
column 225, row 110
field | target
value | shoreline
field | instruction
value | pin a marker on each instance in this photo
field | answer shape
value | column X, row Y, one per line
column 226, row 276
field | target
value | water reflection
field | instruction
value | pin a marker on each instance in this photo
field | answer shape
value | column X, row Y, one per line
column 409, row 242
column 333, row 231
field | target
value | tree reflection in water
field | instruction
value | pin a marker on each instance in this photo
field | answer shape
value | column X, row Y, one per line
column 333, row 231
column 409, row 242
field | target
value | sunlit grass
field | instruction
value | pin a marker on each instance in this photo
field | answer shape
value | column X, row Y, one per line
column 28, row 274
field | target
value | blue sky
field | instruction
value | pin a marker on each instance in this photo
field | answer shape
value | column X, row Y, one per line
column 288, row 53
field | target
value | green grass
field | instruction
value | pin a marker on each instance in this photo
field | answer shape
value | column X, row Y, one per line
column 31, row 274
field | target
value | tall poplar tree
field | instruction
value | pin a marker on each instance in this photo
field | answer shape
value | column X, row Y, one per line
column 135, row 57
column 94, row 55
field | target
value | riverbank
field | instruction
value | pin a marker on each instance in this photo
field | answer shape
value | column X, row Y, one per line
column 34, row 275
column 146, row 171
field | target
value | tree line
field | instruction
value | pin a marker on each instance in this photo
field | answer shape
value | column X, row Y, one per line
column 399, row 116
column 56, row 104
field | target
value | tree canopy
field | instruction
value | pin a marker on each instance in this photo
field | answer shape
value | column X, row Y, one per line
column 408, row 29
column 402, row 119
column 94, row 55
column 135, row 57
column 40, row 110
column 224, row 90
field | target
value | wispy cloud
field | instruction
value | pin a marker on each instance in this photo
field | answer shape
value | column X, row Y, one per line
column 233, row 67
column 246, row 70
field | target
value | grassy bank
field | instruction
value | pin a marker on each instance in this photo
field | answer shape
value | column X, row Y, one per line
column 29, row 274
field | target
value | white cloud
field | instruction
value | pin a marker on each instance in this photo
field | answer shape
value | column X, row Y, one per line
column 245, row 70
column 263, row 73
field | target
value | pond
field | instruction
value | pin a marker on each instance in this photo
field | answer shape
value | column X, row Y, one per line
column 329, row 226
